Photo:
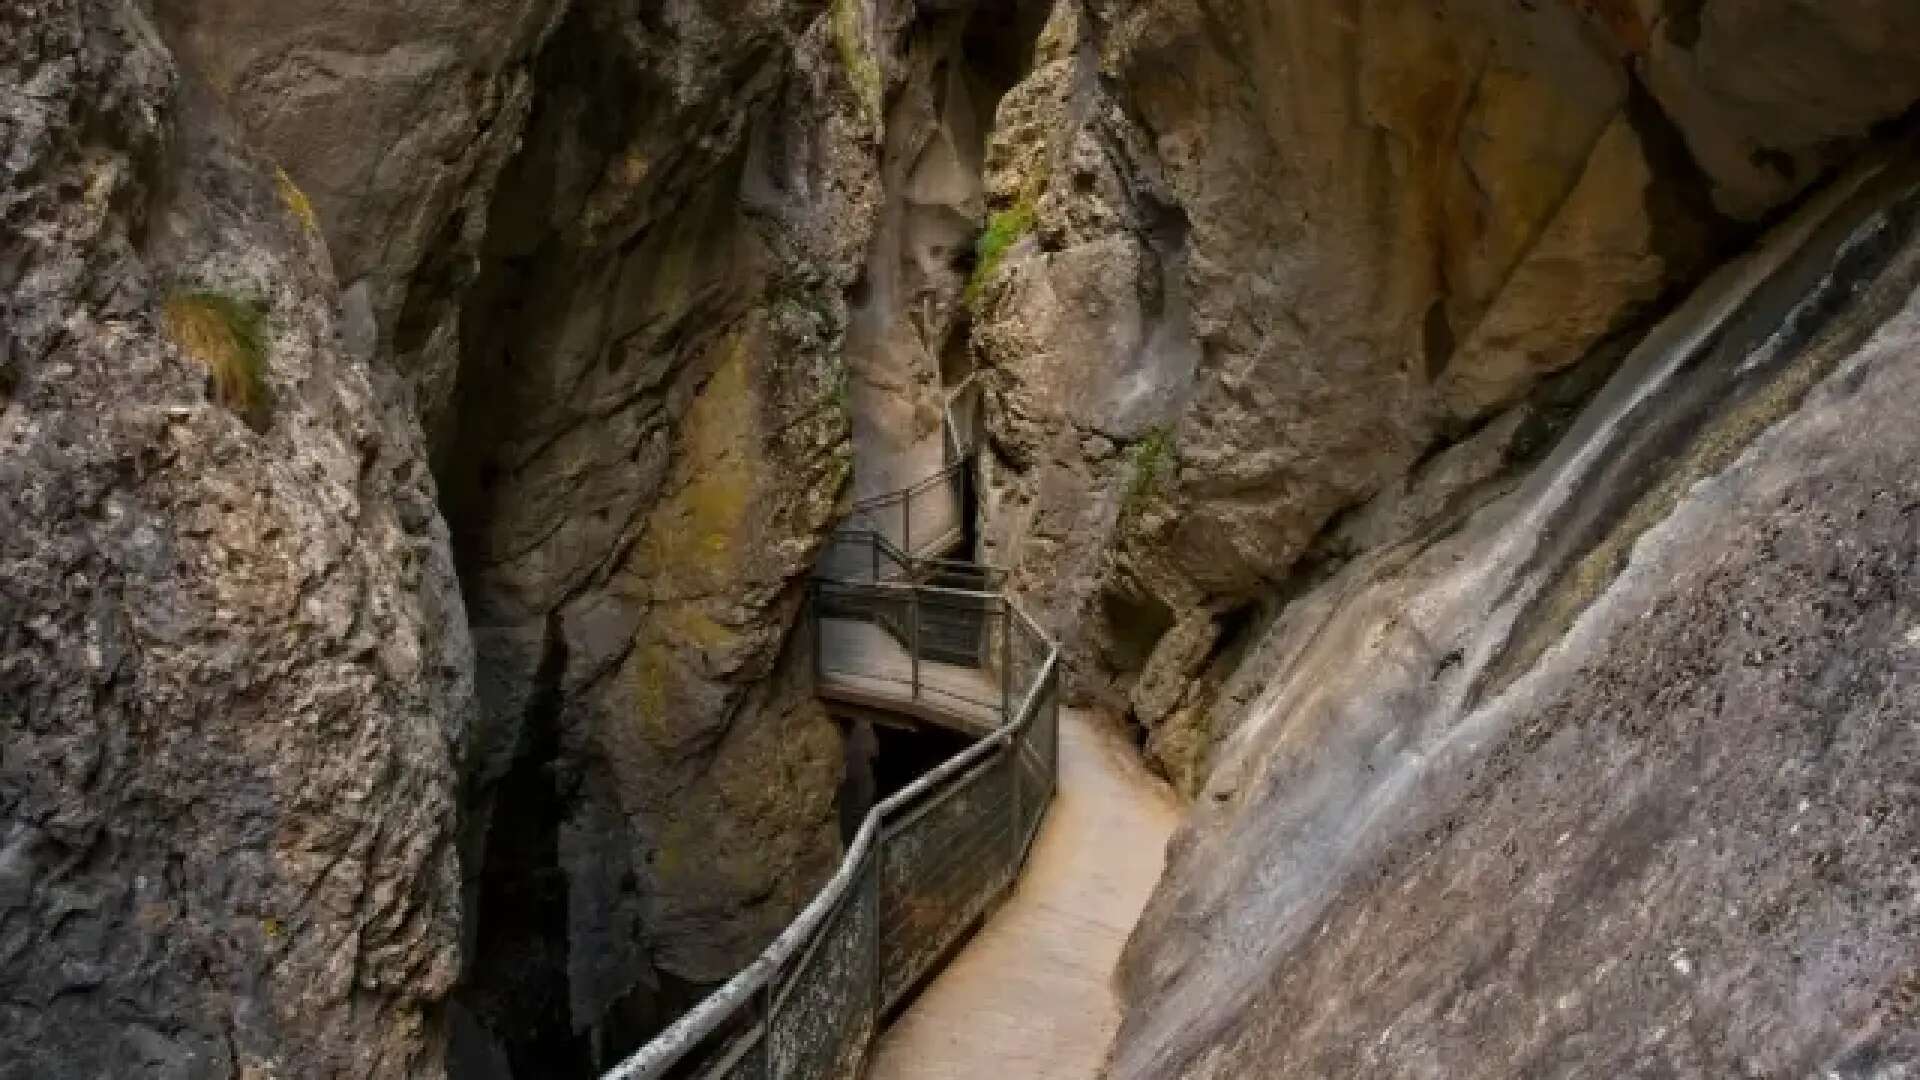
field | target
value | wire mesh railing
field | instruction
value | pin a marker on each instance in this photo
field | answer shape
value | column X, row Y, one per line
column 929, row 517
column 926, row 865
column 916, row 634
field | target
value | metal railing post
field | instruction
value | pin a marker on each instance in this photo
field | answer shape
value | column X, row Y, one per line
column 766, row 1030
column 913, row 636
column 906, row 523
column 873, row 871
column 1016, row 828
column 873, row 548
column 1006, row 661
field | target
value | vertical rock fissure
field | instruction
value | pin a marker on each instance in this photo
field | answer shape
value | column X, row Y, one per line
column 516, row 983
column 649, row 432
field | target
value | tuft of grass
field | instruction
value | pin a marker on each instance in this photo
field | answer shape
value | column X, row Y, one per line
column 843, row 387
column 863, row 69
column 228, row 336
column 1004, row 229
column 1151, row 457
column 296, row 202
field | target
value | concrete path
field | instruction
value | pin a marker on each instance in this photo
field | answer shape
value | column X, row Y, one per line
column 1030, row 997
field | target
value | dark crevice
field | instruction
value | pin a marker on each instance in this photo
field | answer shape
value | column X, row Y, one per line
column 1135, row 621
column 1683, row 22
column 631, row 301
column 516, row 986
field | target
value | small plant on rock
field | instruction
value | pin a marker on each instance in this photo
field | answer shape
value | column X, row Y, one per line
column 1151, row 458
column 227, row 335
column 1004, row 230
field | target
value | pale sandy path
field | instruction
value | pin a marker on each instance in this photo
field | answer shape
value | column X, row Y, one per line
column 1031, row 997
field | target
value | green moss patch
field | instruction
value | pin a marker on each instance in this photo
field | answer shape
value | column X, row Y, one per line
column 856, row 58
column 1004, row 230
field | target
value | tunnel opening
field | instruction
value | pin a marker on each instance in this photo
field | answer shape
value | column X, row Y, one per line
column 884, row 759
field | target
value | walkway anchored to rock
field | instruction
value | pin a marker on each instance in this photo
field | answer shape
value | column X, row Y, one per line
column 1030, row 997
column 899, row 633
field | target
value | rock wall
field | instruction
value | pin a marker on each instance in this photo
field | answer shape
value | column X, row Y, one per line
column 1538, row 675
column 648, row 444
column 395, row 120
column 1613, row 774
column 234, row 672
column 906, row 341
column 1281, row 254
column 589, row 260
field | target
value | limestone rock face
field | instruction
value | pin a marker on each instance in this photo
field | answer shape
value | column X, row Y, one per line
column 649, row 445
column 1612, row 773
column 1283, row 252
column 393, row 120
column 1772, row 96
column 234, row 672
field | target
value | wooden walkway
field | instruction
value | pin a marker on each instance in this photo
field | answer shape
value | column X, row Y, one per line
column 1030, row 997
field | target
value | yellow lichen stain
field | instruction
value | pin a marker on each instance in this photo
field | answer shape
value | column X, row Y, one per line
column 634, row 167
column 296, row 202
column 669, row 859
column 695, row 627
column 649, row 672
column 103, row 179
column 696, row 536
column 624, row 177
column 849, row 24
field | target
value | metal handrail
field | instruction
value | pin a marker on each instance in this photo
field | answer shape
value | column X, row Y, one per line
column 888, row 498
column 1020, row 738
column 653, row 1060
column 669, row 1048
column 914, row 568
column 960, row 443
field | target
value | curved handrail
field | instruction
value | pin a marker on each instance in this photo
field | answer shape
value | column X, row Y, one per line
column 1022, row 752
column 667, row 1049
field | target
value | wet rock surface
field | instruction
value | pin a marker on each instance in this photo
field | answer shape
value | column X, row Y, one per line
column 417, row 422
column 1674, row 839
column 1285, row 254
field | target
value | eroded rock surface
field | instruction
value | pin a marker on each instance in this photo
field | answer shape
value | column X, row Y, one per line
column 649, row 444
column 1282, row 254
column 1615, row 774
column 714, row 210
column 394, row 121
column 234, row 673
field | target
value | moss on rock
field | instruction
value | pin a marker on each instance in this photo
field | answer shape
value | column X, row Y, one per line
column 1003, row 231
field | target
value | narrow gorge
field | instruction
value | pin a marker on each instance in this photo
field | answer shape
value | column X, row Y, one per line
column 1465, row 448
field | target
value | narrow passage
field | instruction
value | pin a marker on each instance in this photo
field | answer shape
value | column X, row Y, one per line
column 1031, row 997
